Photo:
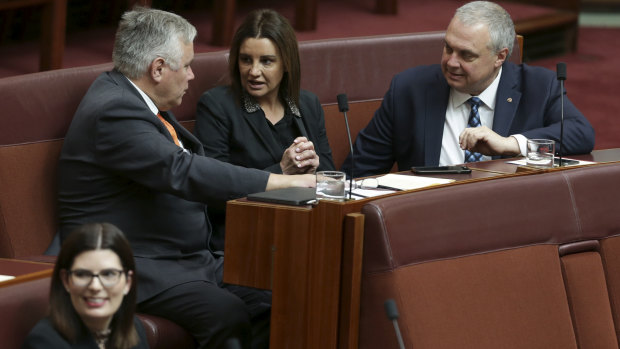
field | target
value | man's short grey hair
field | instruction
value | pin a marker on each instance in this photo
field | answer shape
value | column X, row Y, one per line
column 497, row 20
column 144, row 34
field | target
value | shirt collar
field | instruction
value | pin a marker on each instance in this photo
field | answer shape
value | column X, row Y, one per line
column 250, row 105
column 488, row 96
column 149, row 102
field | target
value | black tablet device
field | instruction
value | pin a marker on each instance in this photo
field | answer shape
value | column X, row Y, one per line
column 288, row 196
column 565, row 162
column 441, row 169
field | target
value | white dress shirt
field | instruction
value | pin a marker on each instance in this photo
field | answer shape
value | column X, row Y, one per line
column 149, row 102
column 457, row 117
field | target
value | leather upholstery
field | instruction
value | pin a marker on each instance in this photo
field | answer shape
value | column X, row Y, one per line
column 42, row 104
column 537, row 267
column 26, row 303
column 23, row 305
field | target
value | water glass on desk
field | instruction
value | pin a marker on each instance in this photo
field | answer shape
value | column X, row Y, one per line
column 540, row 152
column 330, row 185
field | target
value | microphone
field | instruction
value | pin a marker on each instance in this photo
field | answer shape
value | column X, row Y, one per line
column 561, row 72
column 343, row 106
column 392, row 314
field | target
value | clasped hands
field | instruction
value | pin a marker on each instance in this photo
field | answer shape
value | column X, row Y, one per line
column 486, row 142
column 300, row 158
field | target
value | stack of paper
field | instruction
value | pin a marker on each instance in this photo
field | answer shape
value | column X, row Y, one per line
column 6, row 277
column 392, row 182
column 405, row 182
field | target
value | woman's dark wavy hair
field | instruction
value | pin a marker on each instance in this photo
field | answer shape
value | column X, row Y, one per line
column 270, row 25
column 66, row 320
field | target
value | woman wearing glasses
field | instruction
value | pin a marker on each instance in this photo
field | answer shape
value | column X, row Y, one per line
column 92, row 296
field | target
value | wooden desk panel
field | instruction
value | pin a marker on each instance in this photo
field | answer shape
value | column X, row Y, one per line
column 297, row 253
column 23, row 270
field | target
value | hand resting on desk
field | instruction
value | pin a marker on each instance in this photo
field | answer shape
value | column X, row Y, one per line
column 484, row 141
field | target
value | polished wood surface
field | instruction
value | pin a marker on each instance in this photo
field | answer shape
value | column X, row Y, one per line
column 53, row 28
column 223, row 22
column 23, row 270
column 603, row 155
column 297, row 253
column 350, row 289
column 305, row 17
column 386, row 7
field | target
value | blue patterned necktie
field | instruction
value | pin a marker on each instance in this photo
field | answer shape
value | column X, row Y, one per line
column 474, row 121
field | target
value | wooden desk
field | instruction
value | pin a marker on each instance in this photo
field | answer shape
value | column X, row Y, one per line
column 23, row 270
column 603, row 155
column 310, row 257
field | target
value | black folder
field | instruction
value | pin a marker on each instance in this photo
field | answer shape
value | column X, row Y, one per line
column 288, row 196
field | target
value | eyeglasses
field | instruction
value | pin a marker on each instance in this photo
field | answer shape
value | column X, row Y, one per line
column 107, row 277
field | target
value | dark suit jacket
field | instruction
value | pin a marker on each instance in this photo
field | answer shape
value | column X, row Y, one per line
column 232, row 135
column 408, row 127
column 44, row 335
column 119, row 165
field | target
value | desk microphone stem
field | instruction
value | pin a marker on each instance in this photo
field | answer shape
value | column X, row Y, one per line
column 343, row 106
column 392, row 313
column 561, row 71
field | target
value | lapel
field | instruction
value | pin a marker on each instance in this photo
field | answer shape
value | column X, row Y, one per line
column 507, row 101
column 300, row 125
column 435, row 107
column 261, row 130
column 188, row 139
column 186, row 136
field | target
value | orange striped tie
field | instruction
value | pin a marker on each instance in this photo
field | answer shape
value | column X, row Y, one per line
column 173, row 133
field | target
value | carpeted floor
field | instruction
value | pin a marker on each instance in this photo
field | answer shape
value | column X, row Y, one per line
column 593, row 77
column 593, row 71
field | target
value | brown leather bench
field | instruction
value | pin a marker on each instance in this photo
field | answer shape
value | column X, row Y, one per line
column 521, row 262
column 41, row 106
column 24, row 304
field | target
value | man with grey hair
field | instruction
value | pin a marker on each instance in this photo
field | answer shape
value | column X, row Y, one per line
column 126, row 160
column 473, row 106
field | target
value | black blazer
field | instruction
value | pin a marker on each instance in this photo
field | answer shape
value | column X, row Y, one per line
column 44, row 335
column 118, row 164
column 232, row 135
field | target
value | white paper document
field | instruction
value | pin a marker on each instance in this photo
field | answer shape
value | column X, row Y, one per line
column 405, row 182
column 390, row 183
column 6, row 277
column 369, row 193
column 523, row 162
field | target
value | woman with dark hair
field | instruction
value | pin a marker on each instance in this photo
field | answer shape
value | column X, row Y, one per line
column 92, row 295
column 263, row 119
